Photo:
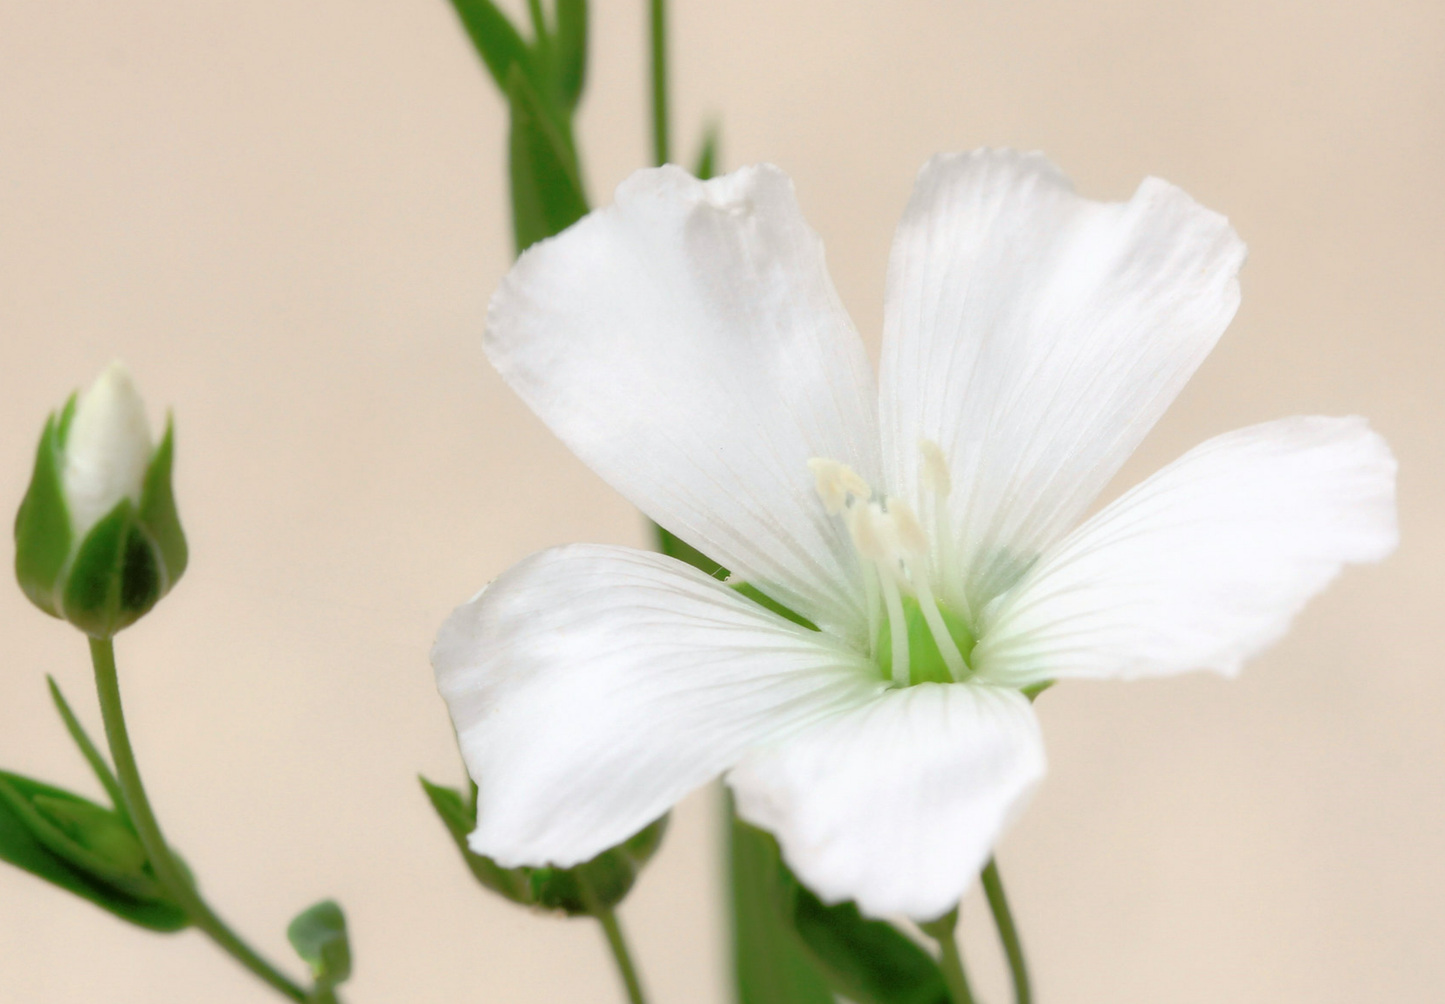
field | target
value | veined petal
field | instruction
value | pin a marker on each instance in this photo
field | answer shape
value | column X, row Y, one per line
column 897, row 804
column 1036, row 336
column 689, row 346
column 593, row 687
column 1204, row 564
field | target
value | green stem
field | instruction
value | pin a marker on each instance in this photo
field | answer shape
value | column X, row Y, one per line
column 167, row 870
column 1007, row 932
column 608, row 919
column 659, row 81
column 943, row 930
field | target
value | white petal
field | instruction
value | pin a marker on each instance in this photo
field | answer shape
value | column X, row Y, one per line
column 689, row 346
column 1036, row 336
column 1204, row 564
column 897, row 804
column 592, row 687
column 107, row 449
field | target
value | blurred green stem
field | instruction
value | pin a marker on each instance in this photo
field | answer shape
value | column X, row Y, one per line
column 944, row 931
column 659, row 82
column 168, row 871
column 1007, row 932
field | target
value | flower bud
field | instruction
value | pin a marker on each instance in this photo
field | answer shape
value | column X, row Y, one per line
column 97, row 538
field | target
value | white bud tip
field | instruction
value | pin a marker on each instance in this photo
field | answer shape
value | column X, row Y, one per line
column 936, row 478
column 107, row 449
column 836, row 482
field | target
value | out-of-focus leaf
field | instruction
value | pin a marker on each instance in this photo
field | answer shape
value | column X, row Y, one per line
column 547, row 195
column 571, row 50
column 99, row 863
column 770, row 964
column 319, row 936
column 707, row 156
column 497, row 41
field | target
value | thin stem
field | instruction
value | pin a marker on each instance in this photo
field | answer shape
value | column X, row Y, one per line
column 615, row 940
column 943, row 931
column 167, row 870
column 659, row 81
column 1007, row 932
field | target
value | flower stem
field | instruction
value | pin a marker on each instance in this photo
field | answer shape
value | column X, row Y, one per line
column 1007, row 932
column 658, row 23
column 943, row 931
column 608, row 919
column 167, row 869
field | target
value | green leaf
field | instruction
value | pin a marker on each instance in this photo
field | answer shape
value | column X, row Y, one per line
column 42, row 526
column 867, row 961
column 571, row 50
column 496, row 40
column 319, row 936
column 158, row 514
column 546, row 187
column 770, row 964
column 88, row 749
column 707, row 157
column 35, row 818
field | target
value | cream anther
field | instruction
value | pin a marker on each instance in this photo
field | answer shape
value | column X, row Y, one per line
column 837, row 483
column 908, row 530
column 936, row 479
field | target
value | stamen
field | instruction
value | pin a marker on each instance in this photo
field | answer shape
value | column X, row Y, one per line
column 936, row 479
column 914, row 544
column 897, row 629
column 836, row 483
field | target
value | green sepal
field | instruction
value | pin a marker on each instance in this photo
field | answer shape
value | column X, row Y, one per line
column 583, row 889
column 158, row 515
column 707, row 155
column 675, row 547
column 547, row 195
column 867, row 961
column 319, row 936
column 115, row 577
column 496, row 40
column 1033, row 690
column 84, row 848
column 571, row 51
column 770, row 966
column 42, row 526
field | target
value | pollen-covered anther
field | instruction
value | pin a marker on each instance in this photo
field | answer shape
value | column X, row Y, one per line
column 837, row 483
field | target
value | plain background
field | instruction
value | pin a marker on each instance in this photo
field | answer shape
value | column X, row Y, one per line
column 288, row 216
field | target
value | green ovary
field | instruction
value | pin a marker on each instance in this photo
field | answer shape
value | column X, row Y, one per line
column 925, row 662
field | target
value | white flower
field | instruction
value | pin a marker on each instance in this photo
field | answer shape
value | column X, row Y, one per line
column 107, row 449
column 688, row 344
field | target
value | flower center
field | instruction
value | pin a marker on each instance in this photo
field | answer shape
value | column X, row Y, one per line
column 915, row 637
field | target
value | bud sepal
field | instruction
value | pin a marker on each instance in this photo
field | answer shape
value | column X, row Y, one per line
column 100, row 547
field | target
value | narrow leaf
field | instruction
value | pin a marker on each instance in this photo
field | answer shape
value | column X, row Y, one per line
column 571, row 50
column 88, row 749
column 707, row 156
column 496, row 39
column 770, row 965
column 547, row 193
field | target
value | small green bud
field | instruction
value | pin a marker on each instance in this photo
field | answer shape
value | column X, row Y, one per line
column 97, row 540
column 319, row 936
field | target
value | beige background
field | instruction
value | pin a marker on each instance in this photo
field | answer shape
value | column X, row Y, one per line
column 287, row 217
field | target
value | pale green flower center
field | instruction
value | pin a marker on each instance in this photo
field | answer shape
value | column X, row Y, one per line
column 915, row 636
